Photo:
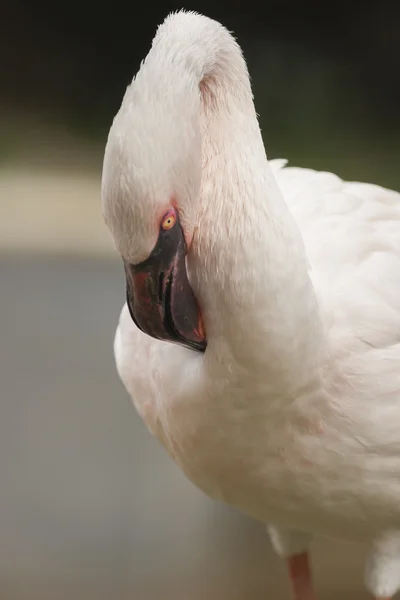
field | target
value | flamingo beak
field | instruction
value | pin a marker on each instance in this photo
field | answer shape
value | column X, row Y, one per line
column 159, row 297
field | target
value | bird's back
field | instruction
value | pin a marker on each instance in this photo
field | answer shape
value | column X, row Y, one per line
column 351, row 232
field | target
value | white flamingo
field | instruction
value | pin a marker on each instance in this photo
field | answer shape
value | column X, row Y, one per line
column 281, row 395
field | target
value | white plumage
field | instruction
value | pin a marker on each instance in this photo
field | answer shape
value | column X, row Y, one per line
column 292, row 414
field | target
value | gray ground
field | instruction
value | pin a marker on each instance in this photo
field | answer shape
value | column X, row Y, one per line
column 90, row 506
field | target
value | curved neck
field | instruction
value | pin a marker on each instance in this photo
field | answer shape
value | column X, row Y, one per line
column 247, row 260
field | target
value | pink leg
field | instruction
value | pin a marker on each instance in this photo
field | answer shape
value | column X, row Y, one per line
column 300, row 577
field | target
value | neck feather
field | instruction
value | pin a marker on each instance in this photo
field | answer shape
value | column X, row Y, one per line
column 247, row 261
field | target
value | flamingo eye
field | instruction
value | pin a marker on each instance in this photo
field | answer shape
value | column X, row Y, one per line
column 168, row 221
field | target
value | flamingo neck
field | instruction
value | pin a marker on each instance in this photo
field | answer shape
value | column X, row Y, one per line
column 247, row 260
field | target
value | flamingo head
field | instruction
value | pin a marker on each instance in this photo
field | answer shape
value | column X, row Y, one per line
column 150, row 192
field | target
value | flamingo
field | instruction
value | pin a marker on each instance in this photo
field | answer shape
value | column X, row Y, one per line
column 260, row 339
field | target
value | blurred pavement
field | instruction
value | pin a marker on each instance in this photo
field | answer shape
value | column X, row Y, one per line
column 52, row 211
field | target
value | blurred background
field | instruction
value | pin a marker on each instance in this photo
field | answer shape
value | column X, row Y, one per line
column 90, row 506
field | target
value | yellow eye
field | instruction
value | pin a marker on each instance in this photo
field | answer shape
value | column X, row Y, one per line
column 168, row 221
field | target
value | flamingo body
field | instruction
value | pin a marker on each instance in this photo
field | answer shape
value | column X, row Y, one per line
column 292, row 412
